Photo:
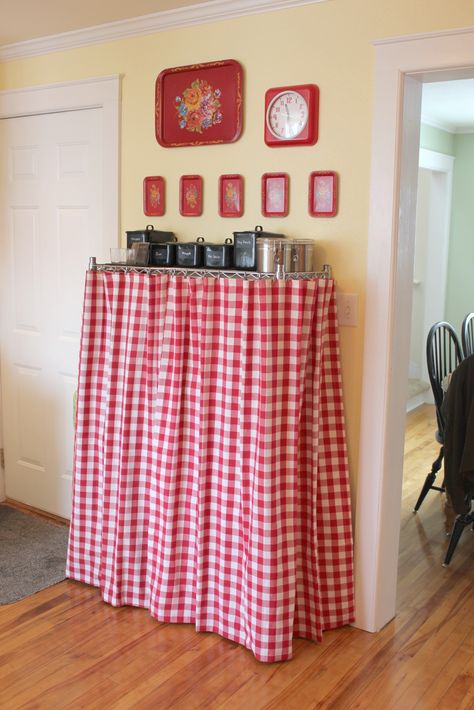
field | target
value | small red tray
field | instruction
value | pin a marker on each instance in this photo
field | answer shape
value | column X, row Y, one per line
column 154, row 196
column 275, row 194
column 190, row 195
column 322, row 193
column 231, row 196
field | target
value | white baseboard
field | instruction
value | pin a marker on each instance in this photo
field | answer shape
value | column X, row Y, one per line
column 415, row 402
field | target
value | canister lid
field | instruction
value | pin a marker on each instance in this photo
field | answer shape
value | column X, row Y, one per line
column 270, row 242
column 260, row 233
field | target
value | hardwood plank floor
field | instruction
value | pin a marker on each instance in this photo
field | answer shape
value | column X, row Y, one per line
column 65, row 648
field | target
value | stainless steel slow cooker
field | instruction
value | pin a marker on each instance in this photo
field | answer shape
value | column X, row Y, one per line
column 291, row 255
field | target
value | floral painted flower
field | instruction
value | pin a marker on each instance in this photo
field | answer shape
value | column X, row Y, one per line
column 191, row 196
column 199, row 107
column 192, row 96
column 231, row 197
column 323, row 196
column 155, row 196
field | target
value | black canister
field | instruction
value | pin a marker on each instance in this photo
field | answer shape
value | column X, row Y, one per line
column 245, row 249
column 219, row 256
column 150, row 234
column 190, row 254
column 163, row 254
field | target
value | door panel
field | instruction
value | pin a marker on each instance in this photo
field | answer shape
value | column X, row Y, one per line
column 50, row 223
column 24, row 249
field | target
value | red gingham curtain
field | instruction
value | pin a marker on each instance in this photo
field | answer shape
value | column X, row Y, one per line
column 210, row 473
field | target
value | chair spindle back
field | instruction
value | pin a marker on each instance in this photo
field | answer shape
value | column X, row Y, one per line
column 443, row 355
column 467, row 335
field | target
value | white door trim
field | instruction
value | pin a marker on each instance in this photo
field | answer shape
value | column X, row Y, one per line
column 400, row 69
column 100, row 92
column 432, row 160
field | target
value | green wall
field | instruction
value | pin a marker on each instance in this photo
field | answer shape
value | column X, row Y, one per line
column 460, row 286
column 435, row 139
column 460, row 276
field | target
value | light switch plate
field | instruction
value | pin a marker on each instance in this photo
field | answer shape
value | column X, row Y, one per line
column 348, row 309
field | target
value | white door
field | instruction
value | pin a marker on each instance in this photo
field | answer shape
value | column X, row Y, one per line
column 51, row 195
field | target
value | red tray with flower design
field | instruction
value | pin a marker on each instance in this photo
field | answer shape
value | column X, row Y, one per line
column 199, row 104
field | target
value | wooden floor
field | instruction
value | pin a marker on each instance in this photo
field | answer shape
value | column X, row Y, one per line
column 65, row 648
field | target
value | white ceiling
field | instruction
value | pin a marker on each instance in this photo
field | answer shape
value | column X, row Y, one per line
column 449, row 105
column 22, row 20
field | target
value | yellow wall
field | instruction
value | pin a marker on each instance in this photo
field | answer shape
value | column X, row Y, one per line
column 328, row 44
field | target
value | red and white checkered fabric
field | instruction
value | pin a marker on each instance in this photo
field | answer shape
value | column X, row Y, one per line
column 210, row 477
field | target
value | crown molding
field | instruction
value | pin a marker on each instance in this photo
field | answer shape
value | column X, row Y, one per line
column 400, row 39
column 436, row 123
column 201, row 13
column 447, row 127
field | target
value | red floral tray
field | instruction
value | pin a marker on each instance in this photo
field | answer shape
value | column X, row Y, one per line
column 231, row 196
column 199, row 104
column 154, row 196
column 190, row 195
column 275, row 194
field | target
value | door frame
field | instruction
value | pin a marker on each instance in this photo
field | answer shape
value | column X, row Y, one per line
column 401, row 66
column 95, row 92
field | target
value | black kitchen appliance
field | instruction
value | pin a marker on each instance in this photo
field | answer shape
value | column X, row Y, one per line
column 245, row 249
column 190, row 254
column 163, row 254
column 219, row 256
column 150, row 234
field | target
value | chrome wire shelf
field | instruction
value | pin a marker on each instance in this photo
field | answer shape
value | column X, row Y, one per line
column 326, row 272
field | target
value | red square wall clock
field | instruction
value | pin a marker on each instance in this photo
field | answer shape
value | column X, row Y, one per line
column 291, row 115
column 199, row 104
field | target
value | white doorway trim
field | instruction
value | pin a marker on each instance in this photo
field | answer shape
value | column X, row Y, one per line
column 439, row 162
column 401, row 66
column 100, row 92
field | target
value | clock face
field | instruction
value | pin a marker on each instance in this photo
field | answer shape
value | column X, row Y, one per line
column 287, row 115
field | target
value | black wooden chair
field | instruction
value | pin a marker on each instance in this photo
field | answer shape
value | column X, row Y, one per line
column 467, row 335
column 443, row 355
column 461, row 522
column 458, row 409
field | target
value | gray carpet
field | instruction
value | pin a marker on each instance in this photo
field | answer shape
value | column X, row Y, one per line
column 32, row 554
